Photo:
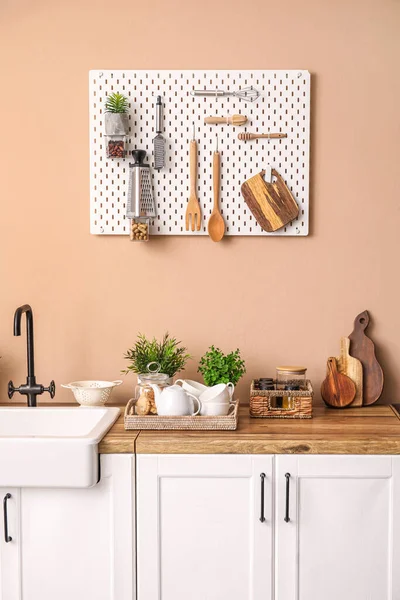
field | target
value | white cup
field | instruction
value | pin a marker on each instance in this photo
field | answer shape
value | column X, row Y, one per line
column 216, row 409
column 218, row 393
column 193, row 387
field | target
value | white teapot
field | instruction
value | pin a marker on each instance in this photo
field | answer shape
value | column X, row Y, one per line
column 174, row 401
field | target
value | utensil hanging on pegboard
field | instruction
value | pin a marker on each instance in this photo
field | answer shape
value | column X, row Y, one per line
column 159, row 141
column 248, row 94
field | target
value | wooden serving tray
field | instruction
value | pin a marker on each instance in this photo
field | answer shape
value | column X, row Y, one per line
column 132, row 421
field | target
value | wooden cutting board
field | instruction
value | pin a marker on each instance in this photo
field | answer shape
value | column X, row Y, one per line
column 337, row 390
column 272, row 204
column 363, row 348
column 350, row 366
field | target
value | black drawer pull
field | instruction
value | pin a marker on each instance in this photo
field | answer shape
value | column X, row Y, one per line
column 287, row 518
column 262, row 517
column 7, row 537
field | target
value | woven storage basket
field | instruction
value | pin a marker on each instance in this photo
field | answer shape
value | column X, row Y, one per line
column 261, row 405
column 132, row 421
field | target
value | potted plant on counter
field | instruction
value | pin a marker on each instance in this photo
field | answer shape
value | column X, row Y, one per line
column 116, row 123
column 217, row 367
column 170, row 356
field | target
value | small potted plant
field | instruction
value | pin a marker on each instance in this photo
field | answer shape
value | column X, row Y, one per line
column 217, row 367
column 116, row 123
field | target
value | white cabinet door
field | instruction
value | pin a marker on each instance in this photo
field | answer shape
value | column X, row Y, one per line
column 199, row 531
column 342, row 539
column 79, row 543
column 9, row 550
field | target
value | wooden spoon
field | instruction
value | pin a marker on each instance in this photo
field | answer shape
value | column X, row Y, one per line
column 216, row 224
column 337, row 390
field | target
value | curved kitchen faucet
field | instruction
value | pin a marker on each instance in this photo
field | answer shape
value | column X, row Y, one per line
column 30, row 389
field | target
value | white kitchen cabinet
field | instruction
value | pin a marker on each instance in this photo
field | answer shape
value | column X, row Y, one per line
column 72, row 543
column 199, row 529
column 342, row 539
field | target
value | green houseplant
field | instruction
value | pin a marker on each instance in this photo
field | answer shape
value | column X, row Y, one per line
column 217, row 367
column 116, row 124
column 168, row 353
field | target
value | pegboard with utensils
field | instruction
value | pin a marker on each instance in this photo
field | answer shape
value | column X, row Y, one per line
column 282, row 107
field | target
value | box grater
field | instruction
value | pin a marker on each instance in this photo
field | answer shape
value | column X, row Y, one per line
column 140, row 192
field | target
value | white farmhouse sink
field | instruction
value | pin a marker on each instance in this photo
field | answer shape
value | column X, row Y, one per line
column 52, row 447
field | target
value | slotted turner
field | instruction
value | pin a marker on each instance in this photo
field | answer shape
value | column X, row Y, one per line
column 193, row 211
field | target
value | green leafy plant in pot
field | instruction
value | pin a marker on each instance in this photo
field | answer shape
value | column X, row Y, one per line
column 170, row 355
column 217, row 367
column 116, row 121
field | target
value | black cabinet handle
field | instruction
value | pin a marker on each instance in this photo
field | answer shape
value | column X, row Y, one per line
column 262, row 517
column 7, row 537
column 287, row 518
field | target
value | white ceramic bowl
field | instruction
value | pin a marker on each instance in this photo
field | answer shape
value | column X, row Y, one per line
column 92, row 392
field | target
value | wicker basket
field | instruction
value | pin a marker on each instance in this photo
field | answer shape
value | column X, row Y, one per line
column 226, row 423
column 261, row 403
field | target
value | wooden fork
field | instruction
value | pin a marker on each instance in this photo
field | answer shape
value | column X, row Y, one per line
column 193, row 211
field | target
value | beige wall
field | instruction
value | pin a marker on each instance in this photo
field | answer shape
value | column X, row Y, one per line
column 279, row 300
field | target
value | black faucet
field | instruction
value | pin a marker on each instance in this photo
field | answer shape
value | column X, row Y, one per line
column 30, row 389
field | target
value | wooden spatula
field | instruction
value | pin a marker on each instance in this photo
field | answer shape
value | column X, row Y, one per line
column 337, row 390
column 272, row 204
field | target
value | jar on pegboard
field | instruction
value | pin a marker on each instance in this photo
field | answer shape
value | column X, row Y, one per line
column 144, row 393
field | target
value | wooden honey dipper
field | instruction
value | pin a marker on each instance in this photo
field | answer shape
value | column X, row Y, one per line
column 247, row 137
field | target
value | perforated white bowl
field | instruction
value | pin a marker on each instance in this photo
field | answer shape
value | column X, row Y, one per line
column 92, row 393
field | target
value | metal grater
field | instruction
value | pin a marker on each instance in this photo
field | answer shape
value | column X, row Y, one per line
column 140, row 192
column 159, row 141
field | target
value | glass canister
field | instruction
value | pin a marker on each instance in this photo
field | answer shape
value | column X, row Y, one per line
column 295, row 377
column 290, row 378
column 144, row 393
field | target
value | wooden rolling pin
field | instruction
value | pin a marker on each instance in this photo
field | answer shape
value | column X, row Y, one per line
column 247, row 137
column 229, row 120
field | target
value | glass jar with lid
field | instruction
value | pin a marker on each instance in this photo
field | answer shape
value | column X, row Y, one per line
column 144, row 393
column 290, row 378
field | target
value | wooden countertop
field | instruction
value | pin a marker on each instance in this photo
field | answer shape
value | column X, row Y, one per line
column 367, row 430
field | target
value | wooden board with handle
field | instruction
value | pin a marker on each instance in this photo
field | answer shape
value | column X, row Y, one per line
column 363, row 348
column 350, row 366
column 337, row 390
column 272, row 204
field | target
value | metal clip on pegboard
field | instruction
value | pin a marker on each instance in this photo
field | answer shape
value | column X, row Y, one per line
column 283, row 106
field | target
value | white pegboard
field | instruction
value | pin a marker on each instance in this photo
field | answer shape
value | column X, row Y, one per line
column 283, row 106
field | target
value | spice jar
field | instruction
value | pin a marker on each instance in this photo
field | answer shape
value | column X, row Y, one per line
column 144, row 393
column 115, row 146
column 140, row 229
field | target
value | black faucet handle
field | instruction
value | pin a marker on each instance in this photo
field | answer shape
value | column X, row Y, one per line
column 51, row 389
column 11, row 389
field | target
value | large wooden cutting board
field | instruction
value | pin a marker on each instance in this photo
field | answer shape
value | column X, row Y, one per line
column 363, row 348
column 350, row 366
column 272, row 204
